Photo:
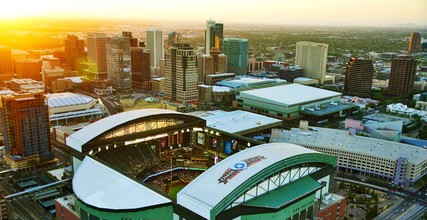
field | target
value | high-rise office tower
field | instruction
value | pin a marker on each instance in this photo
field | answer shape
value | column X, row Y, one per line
column 97, row 56
column 236, row 50
column 358, row 77
column 174, row 38
column 6, row 63
column 312, row 57
column 402, row 76
column 25, row 126
column 74, row 51
column 181, row 74
column 118, row 61
column 214, row 36
column 28, row 68
column 132, row 41
column 140, row 68
column 211, row 64
column 415, row 43
column 155, row 44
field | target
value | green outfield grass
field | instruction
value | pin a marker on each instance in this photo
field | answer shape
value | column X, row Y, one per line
column 176, row 187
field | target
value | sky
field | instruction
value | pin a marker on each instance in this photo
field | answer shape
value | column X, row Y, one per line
column 298, row 12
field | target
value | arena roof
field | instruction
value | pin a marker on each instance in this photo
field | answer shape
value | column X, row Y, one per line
column 289, row 94
column 236, row 122
column 58, row 100
column 342, row 141
column 81, row 137
column 121, row 193
column 208, row 190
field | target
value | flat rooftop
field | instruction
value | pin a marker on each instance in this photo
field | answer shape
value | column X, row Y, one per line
column 236, row 122
column 327, row 109
column 247, row 81
column 289, row 94
column 69, row 202
column 341, row 140
column 58, row 100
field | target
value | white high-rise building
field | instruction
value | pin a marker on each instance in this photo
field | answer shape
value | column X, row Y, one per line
column 181, row 74
column 312, row 57
column 155, row 44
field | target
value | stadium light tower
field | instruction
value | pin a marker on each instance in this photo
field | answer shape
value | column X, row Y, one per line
column 170, row 184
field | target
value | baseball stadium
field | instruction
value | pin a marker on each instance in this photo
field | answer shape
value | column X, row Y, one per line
column 162, row 164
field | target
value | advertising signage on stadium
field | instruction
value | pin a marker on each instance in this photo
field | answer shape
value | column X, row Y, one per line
column 201, row 138
column 230, row 147
column 230, row 173
column 214, row 142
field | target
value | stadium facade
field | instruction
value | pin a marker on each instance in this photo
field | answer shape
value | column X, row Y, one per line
column 268, row 181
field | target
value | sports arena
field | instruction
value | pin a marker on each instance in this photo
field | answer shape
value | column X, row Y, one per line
column 161, row 164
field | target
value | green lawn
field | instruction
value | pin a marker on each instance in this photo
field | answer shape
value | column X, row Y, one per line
column 175, row 189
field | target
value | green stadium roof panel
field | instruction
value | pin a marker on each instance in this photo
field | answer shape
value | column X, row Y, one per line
column 287, row 194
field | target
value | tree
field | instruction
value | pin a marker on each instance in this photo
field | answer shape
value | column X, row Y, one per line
column 341, row 186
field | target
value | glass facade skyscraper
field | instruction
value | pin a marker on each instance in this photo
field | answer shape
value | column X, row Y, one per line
column 236, row 50
column 214, row 36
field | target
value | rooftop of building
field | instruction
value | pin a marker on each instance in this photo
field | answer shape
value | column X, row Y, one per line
column 304, row 79
column 247, row 81
column 74, row 79
column 59, row 100
column 289, row 94
column 329, row 200
column 236, row 121
column 221, row 74
column 311, row 43
column 236, row 39
column 385, row 118
column 6, row 92
column 158, row 79
column 24, row 81
column 70, row 129
column 69, row 202
column 343, row 141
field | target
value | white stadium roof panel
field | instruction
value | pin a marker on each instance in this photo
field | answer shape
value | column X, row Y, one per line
column 121, row 192
column 201, row 199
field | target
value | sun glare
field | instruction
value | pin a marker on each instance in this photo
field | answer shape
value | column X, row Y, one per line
column 20, row 8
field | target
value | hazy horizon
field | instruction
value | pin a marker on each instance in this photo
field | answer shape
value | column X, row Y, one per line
column 272, row 12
